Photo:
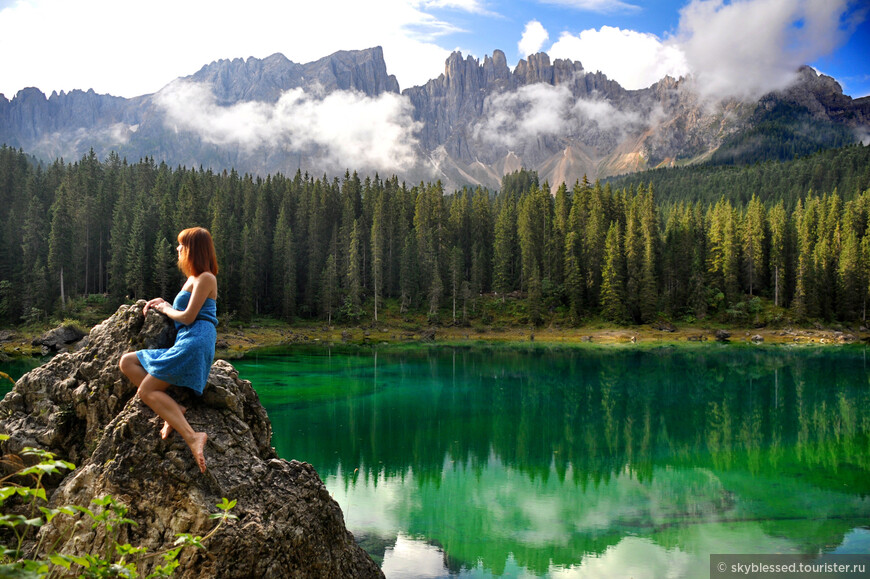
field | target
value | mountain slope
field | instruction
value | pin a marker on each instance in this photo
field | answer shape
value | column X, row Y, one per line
column 471, row 125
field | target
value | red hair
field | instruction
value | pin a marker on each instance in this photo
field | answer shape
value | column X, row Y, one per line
column 199, row 256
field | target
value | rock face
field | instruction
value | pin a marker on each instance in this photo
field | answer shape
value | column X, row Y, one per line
column 81, row 407
column 476, row 121
column 239, row 80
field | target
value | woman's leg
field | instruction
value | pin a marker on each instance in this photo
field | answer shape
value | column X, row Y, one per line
column 152, row 391
column 133, row 369
column 167, row 428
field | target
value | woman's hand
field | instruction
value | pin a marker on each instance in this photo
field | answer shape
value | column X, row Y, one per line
column 154, row 304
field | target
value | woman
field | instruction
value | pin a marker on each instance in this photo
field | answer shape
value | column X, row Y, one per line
column 188, row 361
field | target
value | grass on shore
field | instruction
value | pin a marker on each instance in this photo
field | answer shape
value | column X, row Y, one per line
column 493, row 319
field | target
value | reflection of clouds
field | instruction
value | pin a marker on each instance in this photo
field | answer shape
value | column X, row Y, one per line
column 633, row 557
column 411, row 558
column 369, row 507
column 486, row 516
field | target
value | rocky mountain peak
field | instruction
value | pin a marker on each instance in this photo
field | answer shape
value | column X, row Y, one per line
column 471, row 123
column 495, row 68
column 535, row 69
column 266, row 79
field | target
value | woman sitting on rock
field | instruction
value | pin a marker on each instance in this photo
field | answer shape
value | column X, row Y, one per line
column 188, row 361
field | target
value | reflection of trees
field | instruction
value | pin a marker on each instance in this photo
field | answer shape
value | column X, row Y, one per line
column 599, row 412
column 721, row 434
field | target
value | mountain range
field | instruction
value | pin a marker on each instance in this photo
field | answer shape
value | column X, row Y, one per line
column 473, row 124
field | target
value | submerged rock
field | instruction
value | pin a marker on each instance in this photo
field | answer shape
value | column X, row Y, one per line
column 79, row 406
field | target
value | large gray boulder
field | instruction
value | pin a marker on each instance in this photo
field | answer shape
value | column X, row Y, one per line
column 59, row 338
column 79, row 406
column 64, row 405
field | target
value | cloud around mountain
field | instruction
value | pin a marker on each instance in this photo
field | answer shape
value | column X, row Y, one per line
column 345, row 128
column 541, row 110
column 746, row 49
column 741, row 49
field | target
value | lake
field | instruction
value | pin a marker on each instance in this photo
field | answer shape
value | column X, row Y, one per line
column 579, row 462
column 622, row 461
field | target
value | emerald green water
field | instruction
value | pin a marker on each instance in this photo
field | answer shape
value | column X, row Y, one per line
column 583, row 462
column 539, row 462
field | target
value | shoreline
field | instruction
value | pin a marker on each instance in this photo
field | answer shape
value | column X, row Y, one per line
column 237, row 340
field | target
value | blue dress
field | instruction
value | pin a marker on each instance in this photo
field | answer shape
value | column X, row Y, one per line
column 189, row 360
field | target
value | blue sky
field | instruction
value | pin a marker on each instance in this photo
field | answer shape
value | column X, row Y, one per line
column 846, row 55
column 738, row 48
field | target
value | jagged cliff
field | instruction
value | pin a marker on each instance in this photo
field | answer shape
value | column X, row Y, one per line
column 471, row 125
column 79, row 406
column 265, row 80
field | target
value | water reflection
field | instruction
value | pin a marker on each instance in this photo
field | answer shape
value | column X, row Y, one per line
column 571, row 463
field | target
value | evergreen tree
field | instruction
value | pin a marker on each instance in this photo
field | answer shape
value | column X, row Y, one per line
column 119, row 240
column 591, row 227
column 504, row 249
column 612, row 289
column 534, row 306
column 754, row 245
column 284, row 267
column 408, row 274
column 804, row 302
column 634, row 263
column 378, row 242
column 779, row 238
column 850, row 276
column 247, row 275
column 648, row 298
column 428, row 221
column 137, row 265
column 456, row 277
column 353, row 277
column 329, row 288
column 574, row 281
column 60, row 243
column 482, row 242
column 165, row 261
column 34, row 251
column 436, row 290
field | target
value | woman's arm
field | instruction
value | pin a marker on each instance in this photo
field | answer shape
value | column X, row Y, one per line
column 204, row 285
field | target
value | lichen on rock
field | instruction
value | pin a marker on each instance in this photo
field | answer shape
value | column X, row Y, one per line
column 80, row 407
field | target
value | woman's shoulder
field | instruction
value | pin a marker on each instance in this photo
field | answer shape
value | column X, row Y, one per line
column 205, row 280
column 205, row 277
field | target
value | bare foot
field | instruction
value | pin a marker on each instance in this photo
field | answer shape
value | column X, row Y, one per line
column 167, row 428
column 197, row 447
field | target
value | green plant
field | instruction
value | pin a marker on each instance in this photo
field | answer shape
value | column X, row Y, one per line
column 34, row 316
column 117, row 560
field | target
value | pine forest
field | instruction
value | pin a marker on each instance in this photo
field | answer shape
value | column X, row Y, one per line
column 680, row 244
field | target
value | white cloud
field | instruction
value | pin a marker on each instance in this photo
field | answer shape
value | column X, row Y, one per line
column 124, row 49
column 344, row 128
column 608, row 117
column 540, row 110
column 634, row 59
column 746, row 48
column 515, row 117
column 472, row 6
column 741, row 48
column 601, row 6
column 534, row 37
